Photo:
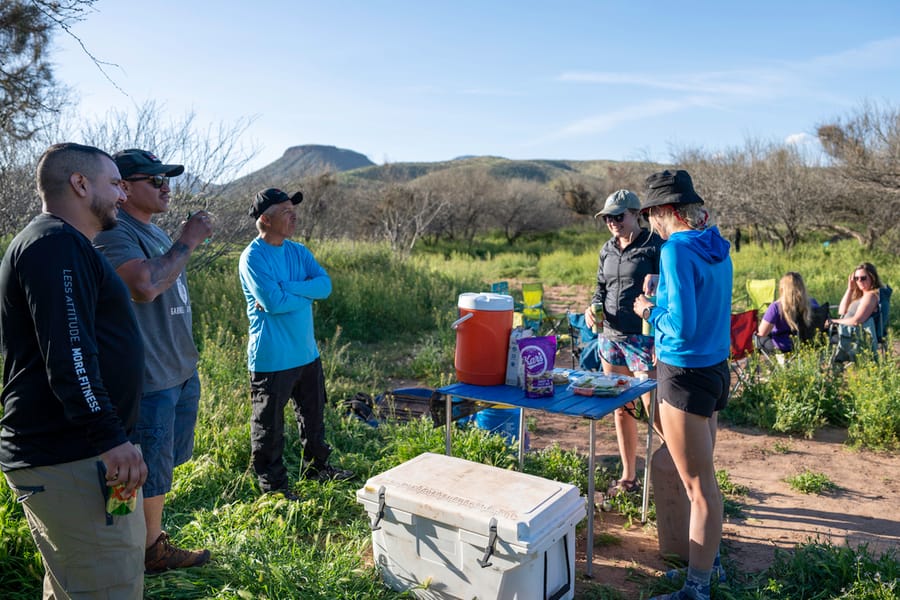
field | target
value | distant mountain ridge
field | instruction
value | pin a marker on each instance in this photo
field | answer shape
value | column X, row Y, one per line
column 309, row 160
column 303, row 162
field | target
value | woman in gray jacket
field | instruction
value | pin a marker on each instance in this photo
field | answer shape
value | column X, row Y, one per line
column 625, row 260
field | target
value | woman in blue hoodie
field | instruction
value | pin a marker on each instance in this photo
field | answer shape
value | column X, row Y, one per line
column 692, row 320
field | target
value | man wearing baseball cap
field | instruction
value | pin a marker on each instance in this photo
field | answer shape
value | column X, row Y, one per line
column 152, row 266
column 281, row 279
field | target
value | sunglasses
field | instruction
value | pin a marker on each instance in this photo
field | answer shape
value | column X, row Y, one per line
column 156, row 181
column 861, row 278
column 616, row 218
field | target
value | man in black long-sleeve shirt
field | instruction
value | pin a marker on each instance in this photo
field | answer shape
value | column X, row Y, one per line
column 73, row 367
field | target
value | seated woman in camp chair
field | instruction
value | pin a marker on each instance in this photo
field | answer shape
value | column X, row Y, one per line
column 860, row 301
column 791, row 314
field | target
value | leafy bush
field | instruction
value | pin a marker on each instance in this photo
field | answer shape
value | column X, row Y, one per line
column 822, row 570
column 799, row 397
column 810, row 482
column 873, row 391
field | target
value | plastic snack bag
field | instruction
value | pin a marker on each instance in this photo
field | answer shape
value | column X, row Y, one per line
column 515, row 374
column 538, row 357
column 119, row 502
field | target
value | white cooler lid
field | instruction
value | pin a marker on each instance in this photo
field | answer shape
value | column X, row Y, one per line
column 467, row 495
column 485, row 301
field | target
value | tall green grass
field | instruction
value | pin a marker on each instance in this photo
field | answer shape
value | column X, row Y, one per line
column 387, row 320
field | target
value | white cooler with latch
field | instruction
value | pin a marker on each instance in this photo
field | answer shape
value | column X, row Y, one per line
column 444, row 527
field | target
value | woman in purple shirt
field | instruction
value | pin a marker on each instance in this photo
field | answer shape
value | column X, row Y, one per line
column 790, row 315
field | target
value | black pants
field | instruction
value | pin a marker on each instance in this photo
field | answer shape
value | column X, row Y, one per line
column 269, row 393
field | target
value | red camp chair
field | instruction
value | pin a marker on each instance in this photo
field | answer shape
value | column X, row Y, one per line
column 743, row 327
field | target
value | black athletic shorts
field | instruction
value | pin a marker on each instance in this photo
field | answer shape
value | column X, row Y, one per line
column 697, row 390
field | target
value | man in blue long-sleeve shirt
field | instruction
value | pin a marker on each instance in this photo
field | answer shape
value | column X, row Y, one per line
column 281, row 279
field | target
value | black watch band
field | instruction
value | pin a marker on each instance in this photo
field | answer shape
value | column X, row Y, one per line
column 645, row 314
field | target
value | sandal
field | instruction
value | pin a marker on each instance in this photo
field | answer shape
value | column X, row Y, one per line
column 623, row 485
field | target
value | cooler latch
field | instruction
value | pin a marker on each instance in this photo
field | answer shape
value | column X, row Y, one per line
column 380, row 514
column 485, row 561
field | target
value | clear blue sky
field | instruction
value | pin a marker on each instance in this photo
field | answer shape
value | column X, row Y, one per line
column 429, row 80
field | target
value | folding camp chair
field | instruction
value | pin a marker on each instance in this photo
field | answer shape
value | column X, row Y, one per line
column 849, row 341
column 743, row 328
column 534, row 314
column 500, row 287
column 882, row 316
column 584, row 343
column 761, row 292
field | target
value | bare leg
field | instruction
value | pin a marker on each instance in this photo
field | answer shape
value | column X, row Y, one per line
column 690, row 440
column 153, row 510
column 626, row 429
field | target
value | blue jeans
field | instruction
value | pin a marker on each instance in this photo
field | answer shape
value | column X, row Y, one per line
column 165, row 431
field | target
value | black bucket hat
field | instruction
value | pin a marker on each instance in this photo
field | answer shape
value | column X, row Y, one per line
column 271, row 197
column 667, row 187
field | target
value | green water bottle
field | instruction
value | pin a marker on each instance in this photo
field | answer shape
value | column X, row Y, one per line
column 646, row 326
column 597, row 309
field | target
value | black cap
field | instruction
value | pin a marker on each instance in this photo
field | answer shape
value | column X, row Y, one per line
column 271, row 197
column 133, row 161
column 667, row 187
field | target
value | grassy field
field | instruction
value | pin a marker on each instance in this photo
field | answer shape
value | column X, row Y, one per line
column 388, row 319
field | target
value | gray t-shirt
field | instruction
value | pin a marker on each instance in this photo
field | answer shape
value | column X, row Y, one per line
column 165, row 323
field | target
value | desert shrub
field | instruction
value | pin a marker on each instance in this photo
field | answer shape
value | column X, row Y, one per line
column 822, row 570
column 798, row 397
column 873, row 390
column 379, row 295
column 811, row 482
column 752, row 403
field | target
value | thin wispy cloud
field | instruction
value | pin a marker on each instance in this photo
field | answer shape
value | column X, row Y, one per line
column 709, row 83
column 612, row 119
column 874, row 55
column 490, row 92
column 721, row 90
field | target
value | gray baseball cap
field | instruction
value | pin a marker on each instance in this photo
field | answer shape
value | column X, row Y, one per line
column 618, row 202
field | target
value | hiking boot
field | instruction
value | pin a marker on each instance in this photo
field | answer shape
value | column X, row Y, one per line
column 329, row 473
column 162, row 556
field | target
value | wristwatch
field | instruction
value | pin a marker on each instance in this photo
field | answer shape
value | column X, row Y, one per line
column 645, row 314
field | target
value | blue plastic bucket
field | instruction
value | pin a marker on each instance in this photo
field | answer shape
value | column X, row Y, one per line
column 504, row 421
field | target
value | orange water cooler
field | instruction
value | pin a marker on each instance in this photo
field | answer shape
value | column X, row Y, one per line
column 482, row 337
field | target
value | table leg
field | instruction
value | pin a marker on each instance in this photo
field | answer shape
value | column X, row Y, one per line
column 448, row 407
column 646, row 499
column 590, row 506
column 521, row 440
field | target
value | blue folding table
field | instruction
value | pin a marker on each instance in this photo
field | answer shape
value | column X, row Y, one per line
column 564, row 402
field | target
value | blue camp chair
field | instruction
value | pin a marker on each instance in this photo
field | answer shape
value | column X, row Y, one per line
column 584, row 343
column 500, row 287
column 871, row 336
column 882, row 316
